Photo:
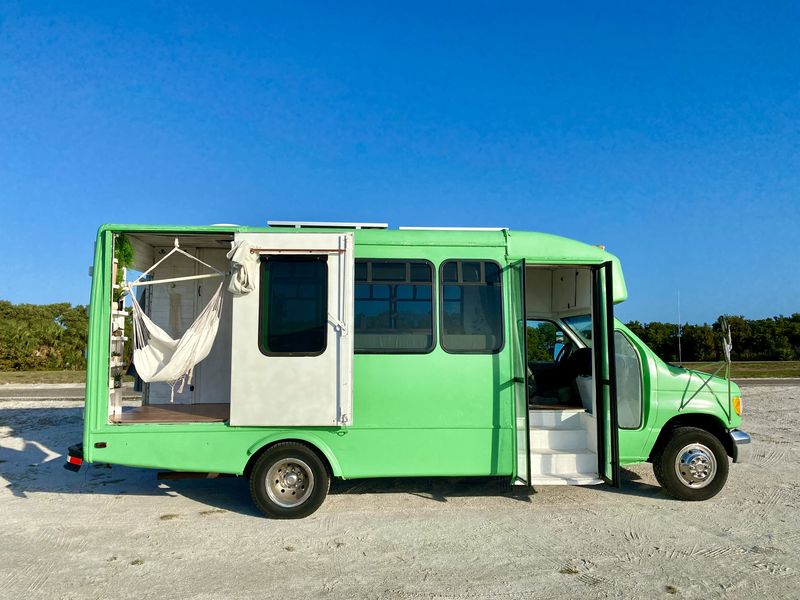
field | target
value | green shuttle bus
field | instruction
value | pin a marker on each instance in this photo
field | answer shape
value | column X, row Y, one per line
column 297, row 352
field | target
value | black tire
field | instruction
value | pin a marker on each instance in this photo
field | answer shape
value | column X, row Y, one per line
column 282, row 497
column 668, row 473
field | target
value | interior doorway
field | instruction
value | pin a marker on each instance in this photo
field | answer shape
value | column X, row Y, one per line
column 560, row 369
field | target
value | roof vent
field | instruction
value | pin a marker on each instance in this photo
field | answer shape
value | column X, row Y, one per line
column 326, row 225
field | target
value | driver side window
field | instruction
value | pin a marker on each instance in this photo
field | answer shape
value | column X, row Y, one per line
column 544, row 341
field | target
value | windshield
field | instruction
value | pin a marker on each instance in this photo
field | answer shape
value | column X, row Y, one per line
column 582, row 326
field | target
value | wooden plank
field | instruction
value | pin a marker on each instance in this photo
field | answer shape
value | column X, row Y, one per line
column 175, row 413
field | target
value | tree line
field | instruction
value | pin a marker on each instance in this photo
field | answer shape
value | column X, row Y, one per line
column 54, row 337
column 42, row 337
column 776, row 338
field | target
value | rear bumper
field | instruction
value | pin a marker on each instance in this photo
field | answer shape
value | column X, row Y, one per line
column 74, row 458
column 742, row 448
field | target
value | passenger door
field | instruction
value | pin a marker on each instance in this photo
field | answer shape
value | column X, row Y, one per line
column 292, row 339
column 520, row 370
column 605, row 374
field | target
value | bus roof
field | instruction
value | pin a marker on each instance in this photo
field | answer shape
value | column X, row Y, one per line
column 534, row 247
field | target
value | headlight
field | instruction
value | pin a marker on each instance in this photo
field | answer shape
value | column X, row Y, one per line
column 737, row 405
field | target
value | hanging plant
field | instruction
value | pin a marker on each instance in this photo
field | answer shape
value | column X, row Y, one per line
column 123, row 252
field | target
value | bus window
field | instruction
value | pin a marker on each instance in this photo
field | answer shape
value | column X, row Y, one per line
column 472, row 307
column 582, row 326
column 629, row 382
column 293, row 310
column 393, row 307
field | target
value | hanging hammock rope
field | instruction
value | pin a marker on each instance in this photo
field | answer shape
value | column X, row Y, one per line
column 156, row 355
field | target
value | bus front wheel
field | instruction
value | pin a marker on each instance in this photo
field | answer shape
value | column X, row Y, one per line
column 289, row 481
column 692, row 465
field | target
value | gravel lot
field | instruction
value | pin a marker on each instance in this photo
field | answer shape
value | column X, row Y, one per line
column 115, row 532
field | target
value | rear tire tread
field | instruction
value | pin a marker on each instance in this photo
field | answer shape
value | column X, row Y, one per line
column 322, row 479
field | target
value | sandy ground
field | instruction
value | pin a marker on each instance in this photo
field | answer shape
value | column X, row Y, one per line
column 115, row 532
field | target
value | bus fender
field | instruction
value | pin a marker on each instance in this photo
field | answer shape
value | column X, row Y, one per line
column 308, row 438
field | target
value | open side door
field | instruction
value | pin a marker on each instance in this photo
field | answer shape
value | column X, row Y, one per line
column 605, row 376
column 520, row 373
column 291, row 338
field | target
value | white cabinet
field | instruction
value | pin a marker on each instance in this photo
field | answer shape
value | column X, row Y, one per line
column 564, row 289
column 572, row 290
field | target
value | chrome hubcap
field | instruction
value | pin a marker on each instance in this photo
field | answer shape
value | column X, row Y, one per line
column 695, row 466
column 289, row 482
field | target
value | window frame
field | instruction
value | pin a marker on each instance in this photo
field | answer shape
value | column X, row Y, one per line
column 641, row 380
column 262, row 298
column 434, row 338
column 441, row 285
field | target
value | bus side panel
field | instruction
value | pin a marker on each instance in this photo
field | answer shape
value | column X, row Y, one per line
column 359, row 453
column 432, row 391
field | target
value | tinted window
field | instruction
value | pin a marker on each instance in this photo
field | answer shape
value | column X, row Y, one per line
column 393, row 307
column 294, row 305
column 472, row 307
column 629, row 383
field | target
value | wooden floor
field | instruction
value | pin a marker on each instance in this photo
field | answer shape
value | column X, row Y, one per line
column 174, row 413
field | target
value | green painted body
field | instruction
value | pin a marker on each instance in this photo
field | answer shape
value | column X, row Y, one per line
column 434, row 414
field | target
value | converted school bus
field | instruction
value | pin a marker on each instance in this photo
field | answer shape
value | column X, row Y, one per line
column 370, row 352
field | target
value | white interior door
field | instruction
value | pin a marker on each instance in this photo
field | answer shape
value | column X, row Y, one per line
column 291, row 338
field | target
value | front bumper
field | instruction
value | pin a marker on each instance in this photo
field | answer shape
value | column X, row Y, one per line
column 742, row 448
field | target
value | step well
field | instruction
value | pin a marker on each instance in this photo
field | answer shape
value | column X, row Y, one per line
column 556, row 462
column 566, row 479
column 549, row 438
column 562, row 444
column 565, row 418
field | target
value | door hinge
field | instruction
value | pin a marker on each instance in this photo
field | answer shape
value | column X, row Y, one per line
column 337, row 324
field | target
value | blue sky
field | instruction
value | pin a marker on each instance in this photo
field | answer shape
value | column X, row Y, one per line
column 669, row 132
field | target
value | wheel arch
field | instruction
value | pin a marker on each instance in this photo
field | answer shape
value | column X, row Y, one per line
column 314, row 442
column 705, row 421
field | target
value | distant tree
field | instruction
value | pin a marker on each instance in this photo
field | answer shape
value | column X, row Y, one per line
column 42, row 337
column 776, row 338
column 541, row 339
column 699, row 342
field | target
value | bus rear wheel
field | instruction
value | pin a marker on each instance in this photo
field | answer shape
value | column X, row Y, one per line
column 693, row 465
column 289, row 481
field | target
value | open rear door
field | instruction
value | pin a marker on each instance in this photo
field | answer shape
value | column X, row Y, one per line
column 605, row 374
column 291, row 338
column 520, row 357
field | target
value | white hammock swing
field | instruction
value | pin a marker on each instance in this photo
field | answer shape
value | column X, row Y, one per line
column 158, row 357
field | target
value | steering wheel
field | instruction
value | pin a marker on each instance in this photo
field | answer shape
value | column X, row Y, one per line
column 561, row 353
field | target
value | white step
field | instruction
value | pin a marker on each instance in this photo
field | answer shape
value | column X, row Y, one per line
column 550, row 438
column 560, row 418
column 566, row 479
column 558, row 462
